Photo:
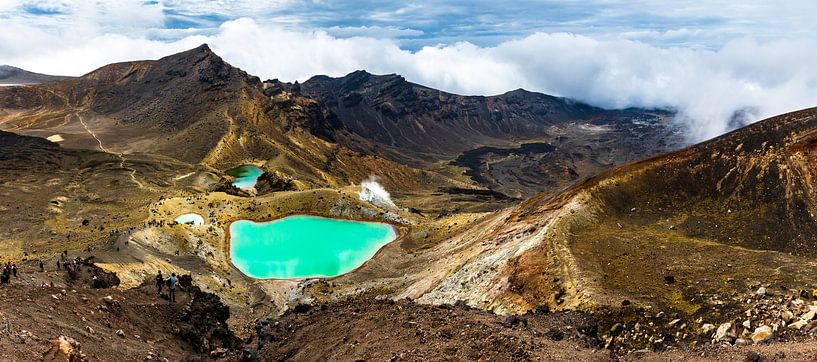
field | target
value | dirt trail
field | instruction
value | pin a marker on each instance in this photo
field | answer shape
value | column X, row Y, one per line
column 121, row 155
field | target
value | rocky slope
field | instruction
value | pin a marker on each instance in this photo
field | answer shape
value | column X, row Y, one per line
column 196, row 108
column 693, row 234
column 417, row 125
column 108, row 324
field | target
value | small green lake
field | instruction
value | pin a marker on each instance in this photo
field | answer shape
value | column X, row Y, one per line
column 245, row 175
column 302, row 246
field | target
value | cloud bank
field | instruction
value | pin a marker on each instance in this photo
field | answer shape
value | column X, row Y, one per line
column 706, row 86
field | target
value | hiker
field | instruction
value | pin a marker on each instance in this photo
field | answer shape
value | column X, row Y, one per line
column 58, row 265
column 95, row 282
column 4, row 276
column 42, row 266
column 160, row 280
column 14, row 269
column 171, row 286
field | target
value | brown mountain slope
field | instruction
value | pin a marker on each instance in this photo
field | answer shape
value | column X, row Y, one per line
column 196, row 108
column 486, row 136
column 718, row 218
column 56, row 199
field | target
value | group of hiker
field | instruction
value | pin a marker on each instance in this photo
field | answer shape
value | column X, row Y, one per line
column 66, row 262
column 170, row 282
column 9, row 270
column 73, row 265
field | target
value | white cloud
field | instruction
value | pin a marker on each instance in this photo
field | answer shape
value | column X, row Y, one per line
column 228, row 8
column 372, row 31
column 707, row 86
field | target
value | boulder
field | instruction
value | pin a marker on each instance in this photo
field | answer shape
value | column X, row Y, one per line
column 707, row 327
column 787, row 316
column 762, row 334
column 64, row 349
column 799, row 324
column 722, row 334
column 761, row 291
column 742, row 342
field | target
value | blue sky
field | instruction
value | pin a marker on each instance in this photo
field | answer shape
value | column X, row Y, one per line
column 708, row 59
column 707, row 24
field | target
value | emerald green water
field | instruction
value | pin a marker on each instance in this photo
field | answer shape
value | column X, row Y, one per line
column 303, row 246
column 245, row 175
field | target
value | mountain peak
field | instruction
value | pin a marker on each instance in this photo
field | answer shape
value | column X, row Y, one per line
column 203, row 48
column 195, row 55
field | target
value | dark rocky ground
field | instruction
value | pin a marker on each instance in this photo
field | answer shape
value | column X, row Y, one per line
column 108, row 324
column 366, row 329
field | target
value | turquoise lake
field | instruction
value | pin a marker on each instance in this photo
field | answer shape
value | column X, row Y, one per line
column 302, row 246
column 245, row 175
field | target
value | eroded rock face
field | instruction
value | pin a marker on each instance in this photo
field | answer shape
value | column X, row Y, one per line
column 64, row 349
column 203, row 322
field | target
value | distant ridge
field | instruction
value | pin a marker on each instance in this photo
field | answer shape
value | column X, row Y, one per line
column 14, row 75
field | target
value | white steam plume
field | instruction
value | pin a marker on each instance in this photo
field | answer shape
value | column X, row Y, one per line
column 373, row 192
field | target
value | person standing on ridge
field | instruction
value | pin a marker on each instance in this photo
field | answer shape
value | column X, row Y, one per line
column 14, row 269
column 171, row 286
column 160, row 280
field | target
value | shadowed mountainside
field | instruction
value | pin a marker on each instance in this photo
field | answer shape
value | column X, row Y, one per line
column 420, row 126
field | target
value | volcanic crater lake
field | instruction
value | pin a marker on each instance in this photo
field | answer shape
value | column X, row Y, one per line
column 302, row 246
column 245, row 175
